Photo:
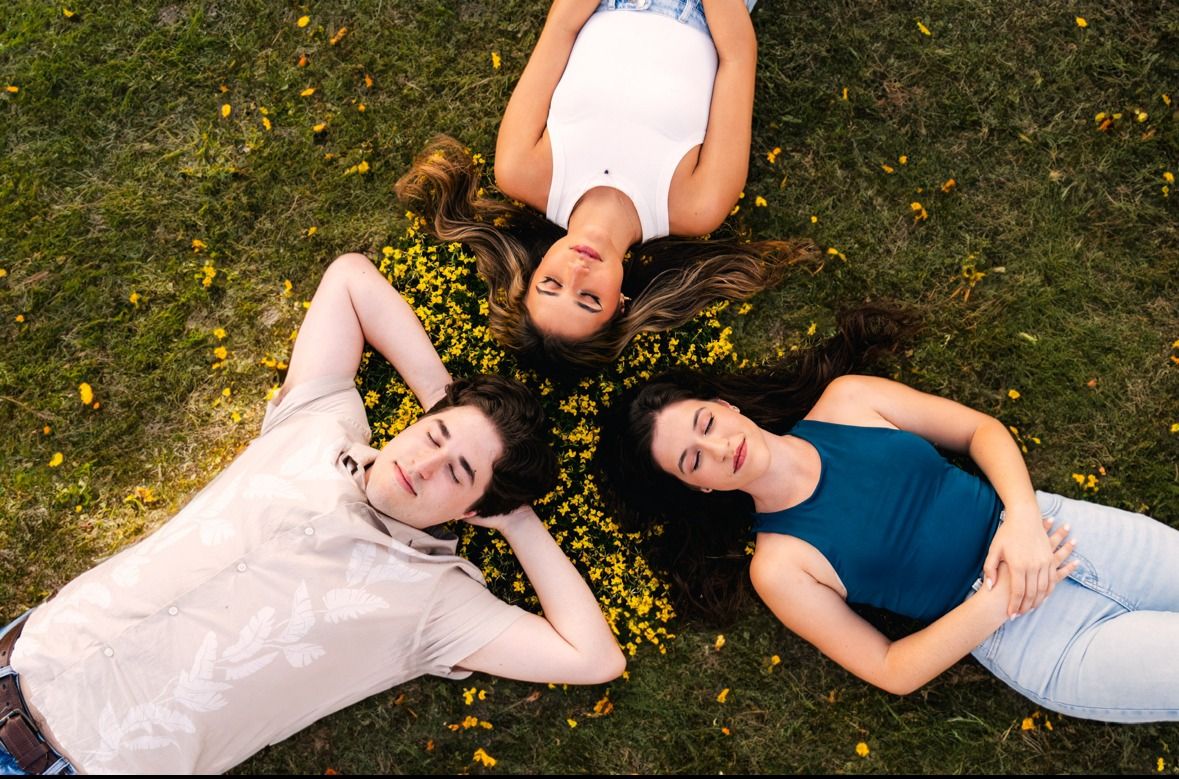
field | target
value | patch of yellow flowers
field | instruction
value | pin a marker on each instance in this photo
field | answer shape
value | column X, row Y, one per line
column 440, row 284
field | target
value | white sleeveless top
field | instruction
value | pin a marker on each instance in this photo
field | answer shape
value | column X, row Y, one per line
column 632, row 101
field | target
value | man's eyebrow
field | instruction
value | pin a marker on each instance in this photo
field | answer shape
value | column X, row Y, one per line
column 444, row 430
column 467, row 467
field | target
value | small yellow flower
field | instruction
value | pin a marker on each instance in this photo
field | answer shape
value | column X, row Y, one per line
column 814, row 219
column 844, row 94
column 887, row 168
column 12, row 88
column 1168, row 177
column 571, row 722
column 286, row 288
column 760, row 202
column 318, row 128
column 1160, row 765
column 368, row 81
column 949, row 185
column 495, row 60
column 225, row 393
column 481, row 756
column 266, row 123
column 56, row 459
column 220, row 353
column 1141, row 116
column 1013, row 394
column 723, row 696
column 903, row 159
column 134, row 297
column 1081, row 22
column 20, row 318
column 924, row 30
column 720, row 642
column 226, row 109
column 831, row 250
column 726, row 730
column 1166, row 99
column 814, row 326
column 86, row 393
column 310, row 231
column 919, row 212
column 862, row 749
column 235, row 417
column 339, row 36
column 303, row 21
column 1175, row 427
column 308, row 92
column 1027, row 724
column 3, row 273
column 772, row 155
column 219, row 333
column 198, row 245
column 67, row 13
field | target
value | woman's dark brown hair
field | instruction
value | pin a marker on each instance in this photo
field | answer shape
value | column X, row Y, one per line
column 669, row 280
column 698, row 539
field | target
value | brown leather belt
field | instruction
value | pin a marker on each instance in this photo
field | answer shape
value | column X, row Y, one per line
column 18, row 732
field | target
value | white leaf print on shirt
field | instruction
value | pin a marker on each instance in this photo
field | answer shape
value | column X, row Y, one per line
column 302, row 617
column 299, row 655
column 251, row 667
column 252, row 636
column 364, row 554
column 344, row 604
column 195, row 688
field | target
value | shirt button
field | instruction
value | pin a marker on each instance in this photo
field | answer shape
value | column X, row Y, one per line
column 241, row 567
column 109, row 652
column 173, row 610
column 308, row 531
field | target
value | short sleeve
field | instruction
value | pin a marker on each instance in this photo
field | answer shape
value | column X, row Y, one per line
column 334, row 396
column 464, row 618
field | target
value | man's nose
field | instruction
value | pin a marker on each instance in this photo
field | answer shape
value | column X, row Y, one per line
column 428, row 463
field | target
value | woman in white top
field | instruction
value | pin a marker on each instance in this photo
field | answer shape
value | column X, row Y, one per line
column 630, row 123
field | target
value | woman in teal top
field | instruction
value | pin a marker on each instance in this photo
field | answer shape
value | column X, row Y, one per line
column 855, row 505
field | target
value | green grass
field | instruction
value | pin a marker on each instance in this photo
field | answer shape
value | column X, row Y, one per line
column 114, row 157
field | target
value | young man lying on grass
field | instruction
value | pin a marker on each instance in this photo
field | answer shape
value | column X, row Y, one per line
column 301, row 579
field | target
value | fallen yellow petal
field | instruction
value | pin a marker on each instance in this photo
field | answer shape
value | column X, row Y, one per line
column 1081, row 22
column 308, row 92
column 226, row 109
column 924, row 30
column 303, row 21
column 56, row 459
column 723, row 697
column 86, row 393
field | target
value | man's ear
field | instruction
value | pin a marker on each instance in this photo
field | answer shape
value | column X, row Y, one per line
column 467, row 514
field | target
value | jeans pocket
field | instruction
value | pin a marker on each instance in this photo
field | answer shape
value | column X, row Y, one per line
column 989, row 647
column 1049, row 504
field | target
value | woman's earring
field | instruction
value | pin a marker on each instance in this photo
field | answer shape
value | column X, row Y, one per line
column 622, row 301
column 706, row 489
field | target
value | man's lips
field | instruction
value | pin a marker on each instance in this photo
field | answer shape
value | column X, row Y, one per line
column 405, row 482
column 739, row 456
column 586, row 251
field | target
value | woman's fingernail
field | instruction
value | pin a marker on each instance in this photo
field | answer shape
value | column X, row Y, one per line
column 990, row 584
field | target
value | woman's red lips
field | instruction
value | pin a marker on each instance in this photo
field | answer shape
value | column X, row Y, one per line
column 739, row 456
column 586, row 251
column 405, row 482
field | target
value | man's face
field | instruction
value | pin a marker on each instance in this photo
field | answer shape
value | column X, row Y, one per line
column 436, row 468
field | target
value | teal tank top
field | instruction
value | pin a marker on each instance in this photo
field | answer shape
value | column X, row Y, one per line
column 905, row 529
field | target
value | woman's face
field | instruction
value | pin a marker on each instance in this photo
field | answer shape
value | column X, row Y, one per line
column 707, row 444
column 575, row 291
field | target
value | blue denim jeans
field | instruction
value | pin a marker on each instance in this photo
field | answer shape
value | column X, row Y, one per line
column 8, row 766
column 690, row 12
column 1104, row 644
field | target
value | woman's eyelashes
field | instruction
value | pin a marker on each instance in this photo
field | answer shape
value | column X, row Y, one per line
column 707, row 429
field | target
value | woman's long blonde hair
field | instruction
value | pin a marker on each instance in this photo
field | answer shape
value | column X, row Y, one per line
column 669, row 280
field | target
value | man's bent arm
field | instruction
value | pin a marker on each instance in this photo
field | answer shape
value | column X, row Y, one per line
column 354, row 304
column 571, row 643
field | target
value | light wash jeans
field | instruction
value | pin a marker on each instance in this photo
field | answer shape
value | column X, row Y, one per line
column 8, row 766
column 690, row 12
column 1105, row 644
